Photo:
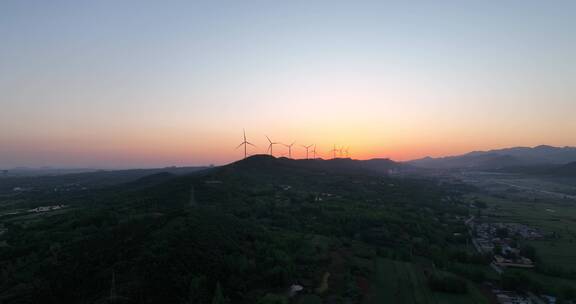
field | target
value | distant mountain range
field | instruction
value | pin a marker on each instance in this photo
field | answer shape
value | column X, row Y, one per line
column 542, row 156
column 70, row 179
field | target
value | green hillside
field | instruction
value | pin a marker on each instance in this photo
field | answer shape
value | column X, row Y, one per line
column 242, row 233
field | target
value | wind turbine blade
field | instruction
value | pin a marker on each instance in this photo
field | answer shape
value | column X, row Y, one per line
column 268, row 139
column 240, row 145
column 253, row 145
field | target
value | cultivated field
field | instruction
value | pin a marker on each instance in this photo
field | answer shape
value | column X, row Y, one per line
column 556, row 219
column 402, row 282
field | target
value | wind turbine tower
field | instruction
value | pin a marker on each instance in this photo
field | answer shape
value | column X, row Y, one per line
column 271, row 145
column 290, row 149
column 334, row 152
column 307, row 147
column 245, row 143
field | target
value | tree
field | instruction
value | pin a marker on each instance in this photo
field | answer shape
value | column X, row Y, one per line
column 196, row 294
column 568, row 292
column 219, row 296
column 529, row 252
column 272, row 299
column 480, row 204
column 497, row 249
column 502, row 232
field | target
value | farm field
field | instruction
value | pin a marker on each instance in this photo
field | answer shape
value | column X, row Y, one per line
column 557, row 253
column 552, row 218
column 403, row 282
column 566, row 186
column 547, row 282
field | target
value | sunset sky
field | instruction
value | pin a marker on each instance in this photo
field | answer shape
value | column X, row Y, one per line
column 117, row 83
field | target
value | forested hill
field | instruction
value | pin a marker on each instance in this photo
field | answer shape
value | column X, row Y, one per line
column 169, row 190
column 337, row 165
column 241, row 233
column 86, row 180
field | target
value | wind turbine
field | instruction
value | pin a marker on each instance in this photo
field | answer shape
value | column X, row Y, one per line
column 314, row 151
column 308, row 147
column 245, row 143
column 271, row 145
column 334, row 152
column 289, row 149
column 346, row 152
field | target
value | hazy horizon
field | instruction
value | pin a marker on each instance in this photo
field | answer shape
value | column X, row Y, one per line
column 129, row 84
column 325, row 156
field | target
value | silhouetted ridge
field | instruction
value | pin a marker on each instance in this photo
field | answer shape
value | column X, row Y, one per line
column 337, row 165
